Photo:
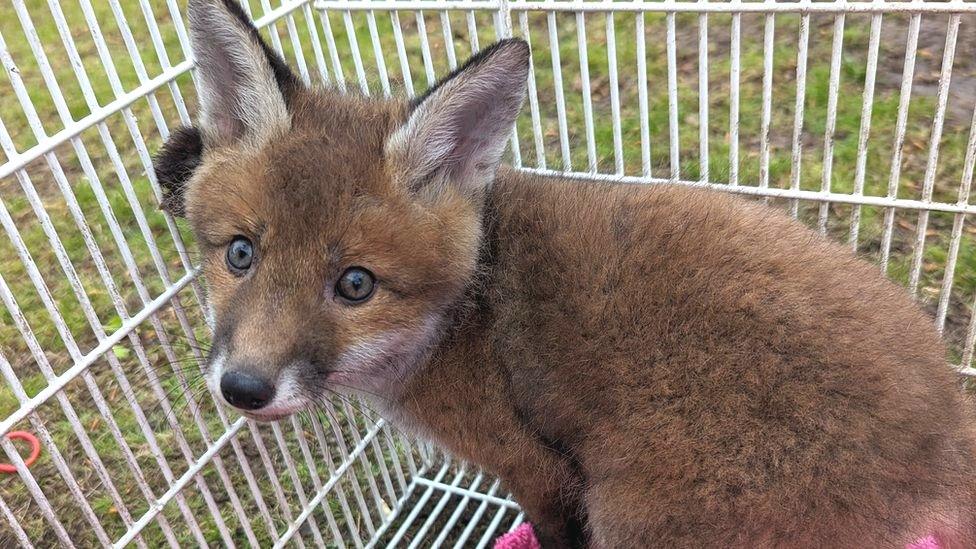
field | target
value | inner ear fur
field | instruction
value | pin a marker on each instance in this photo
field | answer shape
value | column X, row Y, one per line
column 456, row 133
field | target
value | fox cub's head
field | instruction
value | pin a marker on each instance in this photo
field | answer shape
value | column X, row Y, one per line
column 335, row 231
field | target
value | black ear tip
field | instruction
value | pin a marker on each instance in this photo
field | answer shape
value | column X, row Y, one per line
column 515, row 49
column 516, row 44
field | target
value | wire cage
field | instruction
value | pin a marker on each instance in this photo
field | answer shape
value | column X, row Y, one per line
column 856, row 117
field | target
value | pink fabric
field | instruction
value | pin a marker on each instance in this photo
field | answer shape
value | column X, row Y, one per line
column 928, row 542
column 522, row 537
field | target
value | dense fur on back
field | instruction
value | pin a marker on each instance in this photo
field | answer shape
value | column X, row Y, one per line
column 764, row 386
column 643, row 366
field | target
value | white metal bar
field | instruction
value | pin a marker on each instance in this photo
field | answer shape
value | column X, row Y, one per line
column 489, row 533
column 618, row 145
column 581, row 45
column 421, row 533
column 771, row 192
column 313, row 33
column 803, row 43
column 970, row 345
column 87, row 360
column 957, row 226
column 135, row 56
column 836, row 50
column 273, row 29
column 445, row 18
column 425, row 48
column 867, row 106
column 296, row 44
column 339, row 78
column 51, row 448
column 503, row 30
column 769, row 31
column 97, row 396
column 402, row 54
column 70, row 344
column 88, row 310
column 54, row 382
column 326, row 455
column 113, row 363
column 519, row 519
column 380, row 457
column 401, row 504
column 458, row 511
column 417, row 508
column 473, row 31
column 557, row 83
column 47, row 510
column 327, row 487
column 665, row 6
column 276, row 485
column 162, row 55
column 364, row 458
column 374, row 36
column 642, row 102
column 20, row 161
column 931, row 166
column 504, row 19
column 901, row 124
column 703, row 122
column 671, row 39
column 347, row 457
column 19, row 533
column 296, row 482
column 394, row 453
column 540, row 147
column 357, row 56
column 453, row 488
column 734, row 88
column 476, row 517
column 312, row 468
column 181, row 483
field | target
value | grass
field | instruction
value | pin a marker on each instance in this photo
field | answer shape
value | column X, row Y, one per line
column 108, row 167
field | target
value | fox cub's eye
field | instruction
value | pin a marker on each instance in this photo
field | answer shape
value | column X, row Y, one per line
column 356, row 284
column 240, row 253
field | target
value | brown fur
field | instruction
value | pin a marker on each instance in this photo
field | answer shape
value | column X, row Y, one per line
column 668, row 366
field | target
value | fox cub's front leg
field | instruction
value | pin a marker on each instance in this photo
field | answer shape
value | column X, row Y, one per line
column 545, row 485
column 470, row 413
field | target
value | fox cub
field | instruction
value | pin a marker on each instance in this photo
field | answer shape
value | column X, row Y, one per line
column 641, row 365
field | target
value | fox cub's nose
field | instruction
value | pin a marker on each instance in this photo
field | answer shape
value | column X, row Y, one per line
column 246, row 391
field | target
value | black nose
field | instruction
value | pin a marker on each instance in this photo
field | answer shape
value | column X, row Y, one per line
column 245, row 391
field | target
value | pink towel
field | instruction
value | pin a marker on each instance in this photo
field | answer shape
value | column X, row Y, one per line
column 523, row 537
column 928, row 542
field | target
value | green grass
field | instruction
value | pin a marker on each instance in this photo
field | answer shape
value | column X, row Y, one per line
column 85, row 184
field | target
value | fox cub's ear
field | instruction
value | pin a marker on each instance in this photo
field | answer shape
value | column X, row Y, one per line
column 244, row 86
column 456, row 133
column 174, row 164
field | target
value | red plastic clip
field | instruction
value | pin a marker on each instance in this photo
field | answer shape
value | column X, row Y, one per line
column 35, row 450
